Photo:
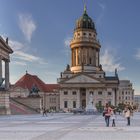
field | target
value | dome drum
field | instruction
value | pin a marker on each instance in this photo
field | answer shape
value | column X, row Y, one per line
column 78, row 44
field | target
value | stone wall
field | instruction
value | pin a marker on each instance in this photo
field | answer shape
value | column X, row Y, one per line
column 4, row 103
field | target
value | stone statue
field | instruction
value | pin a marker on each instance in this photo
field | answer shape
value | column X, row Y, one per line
column 116, row 73
column 68, row 67
column 7, row 40
column 34, row 91
column 90, row 108
column 61, row 74
column 1, row 81
column 91, row 98
column 100, row 67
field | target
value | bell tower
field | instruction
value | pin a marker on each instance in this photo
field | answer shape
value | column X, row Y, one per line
column 85, row 47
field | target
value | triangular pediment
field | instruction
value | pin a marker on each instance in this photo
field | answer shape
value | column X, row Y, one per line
column 82, row 79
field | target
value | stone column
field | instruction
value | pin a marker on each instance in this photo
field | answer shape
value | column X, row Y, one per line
column 0, row 68
column 72, row 57
column 6, row 74
column 115, row 97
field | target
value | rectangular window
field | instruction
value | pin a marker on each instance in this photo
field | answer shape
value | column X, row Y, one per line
column 109, row 102
column 109, row 93
column 83, row 94
column 100, row 103
column 100, row 93
column 53, row 108
column 65, row 93
column 53, row 100
column 74, row 104
column 65, row 104
column 74, row 93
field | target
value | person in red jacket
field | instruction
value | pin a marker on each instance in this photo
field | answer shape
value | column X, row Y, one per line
column 107, row 114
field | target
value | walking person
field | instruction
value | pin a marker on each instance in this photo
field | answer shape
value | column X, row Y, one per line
column 107, row 114
column 44, row 112
column 127, row 115
column 113, row 117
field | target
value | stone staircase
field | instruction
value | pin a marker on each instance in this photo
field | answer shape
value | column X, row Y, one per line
column 18, row 108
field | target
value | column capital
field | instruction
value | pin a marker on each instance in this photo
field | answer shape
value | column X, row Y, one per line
column 7, row 60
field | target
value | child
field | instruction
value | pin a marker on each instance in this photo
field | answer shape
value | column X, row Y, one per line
column 113, row 117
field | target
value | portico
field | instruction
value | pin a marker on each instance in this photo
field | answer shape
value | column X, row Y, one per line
column 5, row 50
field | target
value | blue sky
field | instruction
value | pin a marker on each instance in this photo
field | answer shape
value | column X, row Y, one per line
column 39, row 32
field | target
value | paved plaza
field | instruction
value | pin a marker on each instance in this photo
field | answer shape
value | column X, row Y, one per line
column 67, row 127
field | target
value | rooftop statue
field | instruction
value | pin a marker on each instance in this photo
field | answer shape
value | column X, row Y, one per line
column 1, row 81
column 68, row 67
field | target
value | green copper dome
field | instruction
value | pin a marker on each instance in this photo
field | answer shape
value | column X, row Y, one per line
column 85, row 22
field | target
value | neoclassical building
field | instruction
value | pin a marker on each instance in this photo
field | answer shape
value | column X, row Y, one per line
column 85, row 75
column 126, row 92
column 23, row 92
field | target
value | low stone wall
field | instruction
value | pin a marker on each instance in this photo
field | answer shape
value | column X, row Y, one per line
column 4, row 103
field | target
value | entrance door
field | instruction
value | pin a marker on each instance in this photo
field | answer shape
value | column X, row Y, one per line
column 83, row 97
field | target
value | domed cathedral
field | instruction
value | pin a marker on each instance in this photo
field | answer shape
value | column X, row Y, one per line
column 85, row 76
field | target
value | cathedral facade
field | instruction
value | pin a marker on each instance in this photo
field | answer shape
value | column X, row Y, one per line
column 85, row 76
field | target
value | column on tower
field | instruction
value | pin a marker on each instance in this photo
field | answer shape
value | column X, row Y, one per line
column 88, row 61
column 76, row 49
column 94, row 57
column 80, row 56
column 72, row 57
column 97, row 57
column 86, row 56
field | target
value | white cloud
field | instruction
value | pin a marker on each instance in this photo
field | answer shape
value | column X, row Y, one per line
column 103, row 7
column 25, row 56
column 67, row 41
column 28, row 58
column 15, row 45
column 27, row 25
column 137, row 56
column 19, row 63
column 109, row 62
column 21, row 56
column 67, row 45
column 13, row 78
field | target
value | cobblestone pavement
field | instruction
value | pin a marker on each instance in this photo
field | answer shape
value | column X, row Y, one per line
column 67, row 127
